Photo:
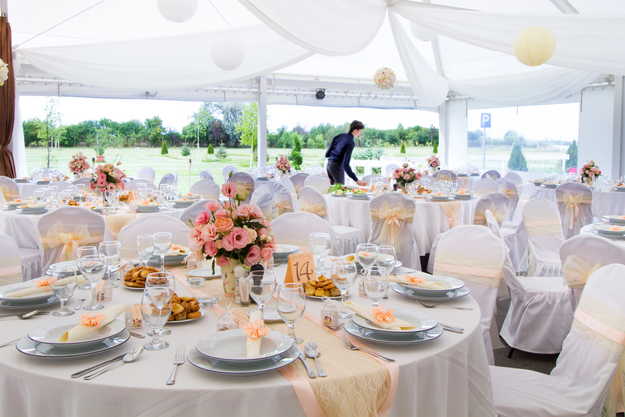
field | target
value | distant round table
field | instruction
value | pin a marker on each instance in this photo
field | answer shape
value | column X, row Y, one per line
column 603, row 202
column 587, row 230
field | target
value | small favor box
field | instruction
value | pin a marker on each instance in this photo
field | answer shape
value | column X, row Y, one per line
column 330, row 313
column 104, row 291
column 134, row 317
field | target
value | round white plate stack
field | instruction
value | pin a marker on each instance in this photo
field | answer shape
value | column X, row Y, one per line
column 426, row 328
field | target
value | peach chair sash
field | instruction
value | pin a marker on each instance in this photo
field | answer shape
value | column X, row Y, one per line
column 391, row 217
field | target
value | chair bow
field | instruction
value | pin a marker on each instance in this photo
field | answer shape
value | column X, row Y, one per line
column 71, row 241
column 451, row 211
column 391, row 218
column 511, row 193
column 283, row 206
column 572, row 202
column 479, row 217
column 576, row 271
column 319, row 209
column 8, row 193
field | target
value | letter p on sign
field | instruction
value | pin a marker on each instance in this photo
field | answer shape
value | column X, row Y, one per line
column 485, row 120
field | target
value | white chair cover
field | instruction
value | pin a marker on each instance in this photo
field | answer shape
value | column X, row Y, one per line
column 515, row 179
column 298, row 180
column 392, row 215
column 207, row 189
column 390, row 168
column 194, row 210
column 225, row 172
column 150, row 224
column 10, row 263
column 497, row 203
column 9, row 189
column 263, row 198
column 506, row 187
column 322, row 184
column 206, row 175
column 484, row 186
column 445, row 175
column 243, row 180
column 476, row 256
column 175, row 174
column 286, row 181
column 369, row 178
column 132, row 185
column 282, row 200
column 146, row 173
column 65, row 229
column 544, row 232
column 85, row 181
column 580, row 382
column 311, row 201
column 169, row 179
column 514, row 233
column 575, row 206
column 295, row 229
column 508, row 270
column 492, row 174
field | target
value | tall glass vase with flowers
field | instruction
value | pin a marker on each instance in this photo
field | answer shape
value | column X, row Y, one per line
column 405, row 175
column 283, row 165
column 78, row 164
column 590, row 172
column 108, row 177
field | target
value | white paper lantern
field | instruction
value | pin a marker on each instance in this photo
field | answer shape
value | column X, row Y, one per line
column 422, row 33
column 228, row 54
column 177, row 10
column 534, row 46
column 384, row 78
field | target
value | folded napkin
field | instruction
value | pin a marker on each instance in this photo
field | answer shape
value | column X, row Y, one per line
column 177, row 250
column 381, row 317
column 255, row 331
column 42, row 287
column 90, row 324
column 32, row 206
column 417, row 281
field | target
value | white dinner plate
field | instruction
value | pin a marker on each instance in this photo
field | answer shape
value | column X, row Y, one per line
column 42, row 350
column 40, row 211
column 614, row 218
column 606, row 229
column 21, row 180
column 25, row 308
column 147, row 209
column 205, row 272
column 50, row 333
column 31, row 299
column 444, row 197
column 377, row 337
column 186, row 320
column 550, row 186
column 338, row 297
column 183, row 204
column 271, row 314
column 452, row 284
column 422, row 322
column 538, row 183
column 465, row 196
column 229, row 346
column 334, row 194
column 283, row 251
column 451, row 295
column 42, row 182
column 359, row 196
column 207, row 364
column 132, row 288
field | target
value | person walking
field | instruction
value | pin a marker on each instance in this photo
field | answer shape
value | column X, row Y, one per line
column 339, row 155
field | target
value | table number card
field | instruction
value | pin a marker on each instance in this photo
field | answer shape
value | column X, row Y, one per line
column 301, row 268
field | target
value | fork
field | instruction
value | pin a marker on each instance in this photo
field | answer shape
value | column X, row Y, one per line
column 26, row 316
column 178, row 360
column 349, row 345
column 438, row 305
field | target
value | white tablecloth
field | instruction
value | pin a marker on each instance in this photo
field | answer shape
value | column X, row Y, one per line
column 428, row 223
column 448, row 376
column 588, row 230
column 28, row 189
column 603, row 202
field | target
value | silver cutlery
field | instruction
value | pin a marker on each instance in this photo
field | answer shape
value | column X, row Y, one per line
column 128, row 357
column 441, row 306
column 80, row 301
column 349, row 345
column 451, row 328
column 9, row 343
column 100, row 365
column 311, row 373
column 178, row 360
column 137, row 335
column 312, row 351
column 25, row 315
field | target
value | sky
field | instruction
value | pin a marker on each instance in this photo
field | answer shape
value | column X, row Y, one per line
column 553, row 122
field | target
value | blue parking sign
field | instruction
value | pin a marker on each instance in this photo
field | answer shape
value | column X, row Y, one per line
column 485, row 120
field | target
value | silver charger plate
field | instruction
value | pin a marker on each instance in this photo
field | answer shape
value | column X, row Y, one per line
column 9, row 306
column 376, row 337
column 463, row 196
column 229, row 347
column 451, row 295
column 550, row 186
column 423, row 322
column 198, row 360
column 604, row 229
column 41, row 350
column 183, row 204
column 50, row 332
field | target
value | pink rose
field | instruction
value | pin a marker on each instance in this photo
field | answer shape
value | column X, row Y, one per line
column 253, row 256
column 240, row 238
column 101, row 183
column 209, row 232
column 406, row 177
column 101, row 176
column 223, row 225
column 244, row 210
column 222, row 214
column 210, row 248
column 266, row 254
column 92, row 185
column 222, row 261
column 227, row 244
column 229, row 189
column 258, row 213
column 202, row 219
column 212, row 206
column 195, row 239
column 263, row 231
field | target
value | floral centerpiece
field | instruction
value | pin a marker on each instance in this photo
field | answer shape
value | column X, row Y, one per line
column 433, row 162
column 283, row 165
column 4, row 72
column 405, row 175
column 78, row 164
column 231, row 234
column 108, row 178
column 590, row 171
column 384, row 78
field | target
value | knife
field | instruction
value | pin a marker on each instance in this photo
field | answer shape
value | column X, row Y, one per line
column 85, row 371
column 311, row 373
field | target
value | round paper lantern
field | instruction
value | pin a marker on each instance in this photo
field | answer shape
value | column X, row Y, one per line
column 228, row 54
column 384, row 78
column 422, row 33
column 534, row 46
column 177, row 10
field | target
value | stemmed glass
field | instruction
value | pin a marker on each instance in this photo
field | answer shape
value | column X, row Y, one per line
column 291, row 306
column 112, row 251
column 80, row 189
column 165, row 280
column 155, row 314
column 38, row 194
column 81, row 253
column 93, row 268
column 366, row 254
column 319, row 243
column 386, row 257
column 344, row 275
column 263, row 285
column 145, row 248
column 162, row 243
column 378, row 187
column 63, row 287
column 141, row 187
column 376, row 288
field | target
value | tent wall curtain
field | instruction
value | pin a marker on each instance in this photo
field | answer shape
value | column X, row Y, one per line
column 7, row 102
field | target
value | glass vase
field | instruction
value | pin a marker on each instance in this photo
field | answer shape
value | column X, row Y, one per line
column 228, row 278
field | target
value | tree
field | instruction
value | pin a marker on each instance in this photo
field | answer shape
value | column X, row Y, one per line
column 247, row 128
column 510, row 137
column 164, row 150
column 154, row 128
column 517, row 161
column 50, row 131
column 185, row 151
column 403, row 147
column 296, row 155
column 31, row 131
column 572, row 152
column 211, row 150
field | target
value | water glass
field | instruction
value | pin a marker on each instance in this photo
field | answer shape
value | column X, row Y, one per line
column 112, row 251
column 366, row 254
column 63, row 286
column 80, row 253
column 155, row 310
column 343, row 275
column 376, row 284
column 93, row 268
column 262, row 286
column 319, row 244
column 80, row 189
column 165, row 280
column 386, row 257
column 291, row 305
column 145, row 248
column 39, row 194
column 162, row 243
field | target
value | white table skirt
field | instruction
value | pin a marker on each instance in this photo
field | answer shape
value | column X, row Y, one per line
column 603, row 202
column 428, row 223
column 445, row 377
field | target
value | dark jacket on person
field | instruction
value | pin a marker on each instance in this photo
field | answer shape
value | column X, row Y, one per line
column 340, row 151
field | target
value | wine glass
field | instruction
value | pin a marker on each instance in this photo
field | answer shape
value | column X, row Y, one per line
column 376, row 284
column 343, row 275
column 145, row 248
column 161, row 279
column 291, row 305
column 93, row 268
column 112, row 251
column 378, row 188
column 63, row 286
column 38, row 194
column 155, row 310
column 319, row 243
column 141, row 187
column 80, row 189
column 263, row 285
column 162, row 243
column 386, row 257
column 366, row 254
column 80, row 253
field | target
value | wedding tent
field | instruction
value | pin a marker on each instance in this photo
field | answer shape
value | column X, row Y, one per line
column 449, row 56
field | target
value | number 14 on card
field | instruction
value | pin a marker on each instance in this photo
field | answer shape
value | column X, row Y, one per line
column 301, row 268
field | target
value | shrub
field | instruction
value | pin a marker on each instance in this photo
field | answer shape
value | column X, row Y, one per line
column 186, row 151
column 211, row 150
column 164, row 149
column 572, row 152
column 296, row 153
column 320, row 141
column 221, row 153
column 310, row 143
column 368, row 153
column 435, row 150
column 517, row 161
column 403, row 147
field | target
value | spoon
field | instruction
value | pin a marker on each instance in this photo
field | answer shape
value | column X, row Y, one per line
column 312, row 351
column 128, row 357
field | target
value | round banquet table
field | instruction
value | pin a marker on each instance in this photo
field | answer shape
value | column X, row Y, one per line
column 448, row 376
column 429, row 220
column 603, row 201
column 27, row 189
column 588, row 230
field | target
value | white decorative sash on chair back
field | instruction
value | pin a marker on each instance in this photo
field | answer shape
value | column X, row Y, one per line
column 9, row 189
column 544, row 232
column 496, row 202
column 321, row 183
column 288, row 184
column 369, row 178
column 298, row 180
column 263, row 198
column 243, row 180
column 477, row 257
column 169, row 179
column 492, row 174
column 150, row 224
column 225, row 172
column 64, row 230
column 194, row 210
column 282, row 200
column 574, row 202
column 311, row 201
column 208, row 189
column 484, row 186
column 146, row 173
column 392, row 215
column 515, row 179
column 509, row 189
column 295, row 229
column 10, row 263
column 132, row 185
column 206, row 175
column 445, row 175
